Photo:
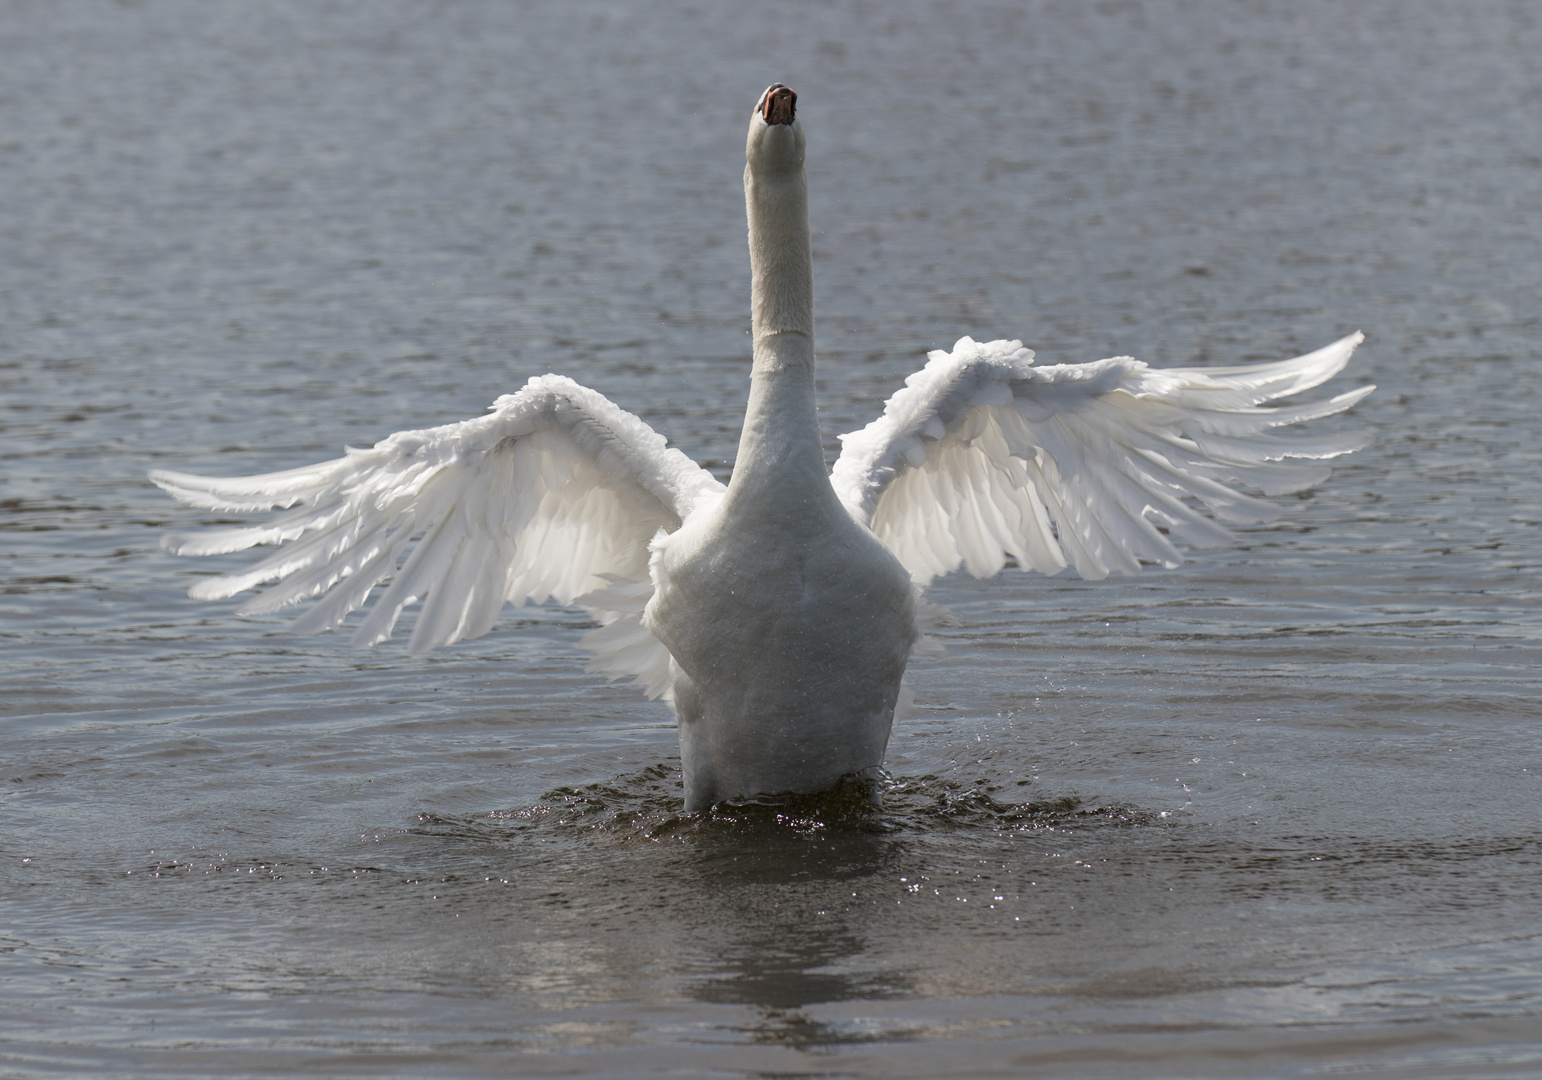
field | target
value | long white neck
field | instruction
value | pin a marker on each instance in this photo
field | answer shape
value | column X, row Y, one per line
column 781, row 456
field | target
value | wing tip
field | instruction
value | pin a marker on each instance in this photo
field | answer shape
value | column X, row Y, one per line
column 215, row 588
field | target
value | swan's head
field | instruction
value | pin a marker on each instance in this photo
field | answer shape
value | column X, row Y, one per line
column 775, row 143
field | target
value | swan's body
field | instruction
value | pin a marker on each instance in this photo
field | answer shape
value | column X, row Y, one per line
column 778, row 614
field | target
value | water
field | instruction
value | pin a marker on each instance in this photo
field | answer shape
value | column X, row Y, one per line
column 1275, row 813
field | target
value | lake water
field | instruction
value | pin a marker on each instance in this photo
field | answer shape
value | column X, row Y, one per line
column 1276, row 813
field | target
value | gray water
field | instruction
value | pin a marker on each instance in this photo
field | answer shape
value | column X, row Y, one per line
column 1275, row 813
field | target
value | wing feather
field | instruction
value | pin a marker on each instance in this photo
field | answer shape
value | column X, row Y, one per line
column 1098, row 466
column 554, row 494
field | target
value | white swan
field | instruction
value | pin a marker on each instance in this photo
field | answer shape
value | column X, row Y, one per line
column 777, row 614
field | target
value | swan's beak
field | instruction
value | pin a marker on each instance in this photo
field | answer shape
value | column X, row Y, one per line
column 778, row 104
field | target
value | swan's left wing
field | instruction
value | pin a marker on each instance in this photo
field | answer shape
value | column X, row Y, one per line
column 555, row 493
column 1098, row 466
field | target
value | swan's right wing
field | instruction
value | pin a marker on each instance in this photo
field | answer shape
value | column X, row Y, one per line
column 1098, row 466
column 555, row 493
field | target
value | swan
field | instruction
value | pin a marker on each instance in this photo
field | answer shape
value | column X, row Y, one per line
column 776, row 614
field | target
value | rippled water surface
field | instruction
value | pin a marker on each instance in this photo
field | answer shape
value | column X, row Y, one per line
column 1275, row 813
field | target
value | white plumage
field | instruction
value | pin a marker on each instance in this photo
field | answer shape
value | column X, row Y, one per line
column 776, row 614
column 983, row 455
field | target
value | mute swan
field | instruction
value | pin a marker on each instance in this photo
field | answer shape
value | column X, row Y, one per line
column 776, row 614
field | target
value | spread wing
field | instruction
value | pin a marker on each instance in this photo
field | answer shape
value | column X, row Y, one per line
column 555, row 493
column 1097, row 466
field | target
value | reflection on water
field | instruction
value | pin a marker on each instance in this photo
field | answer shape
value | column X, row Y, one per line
column 1273, row 813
